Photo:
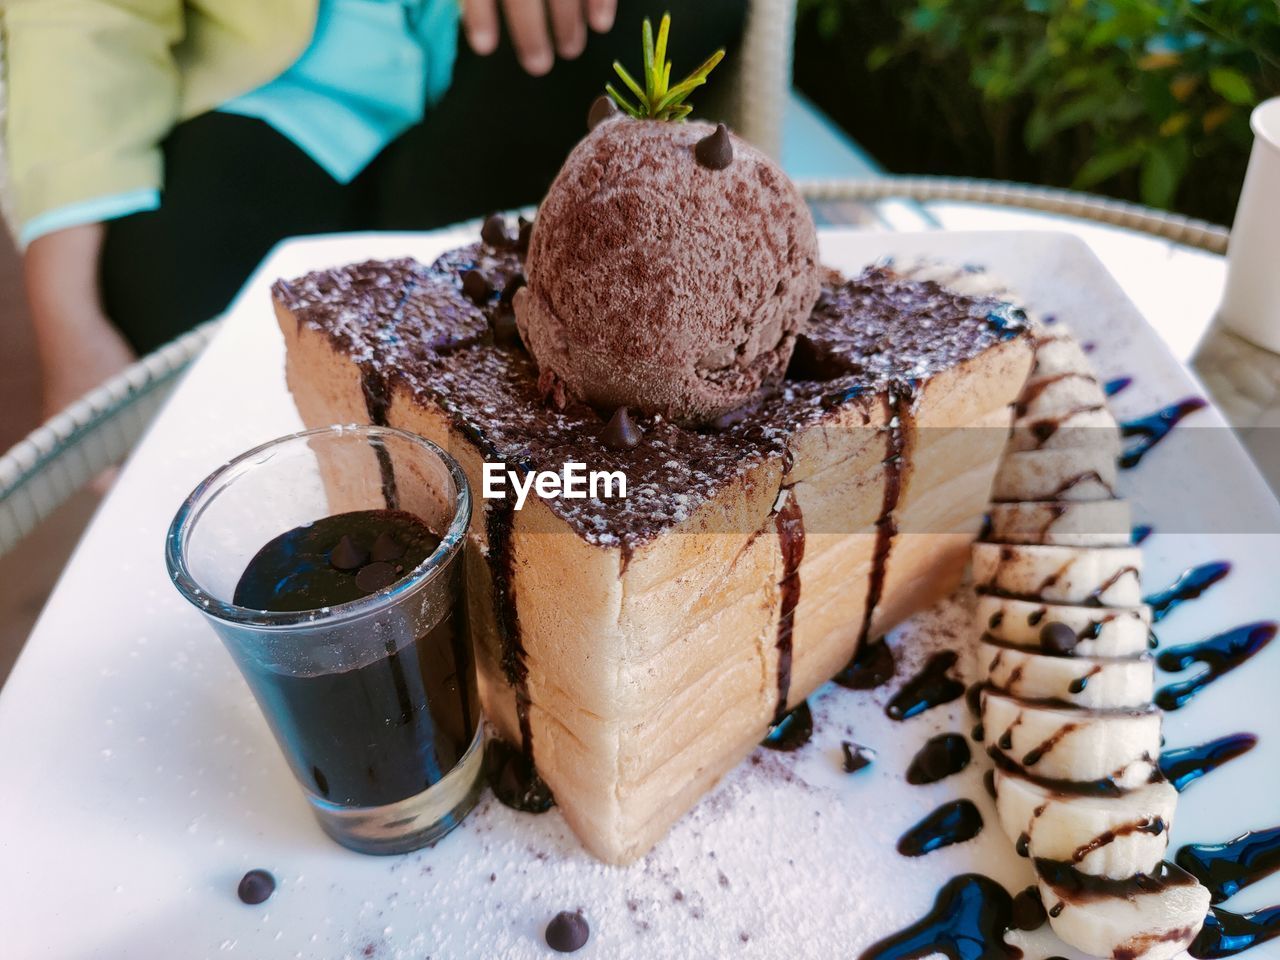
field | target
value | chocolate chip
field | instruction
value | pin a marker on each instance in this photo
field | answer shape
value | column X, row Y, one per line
column 374, row 576
column 856, row 756
column 495, row 232
column 509, row 291
column 567, row 932
column 505, row 331
column 1028, row 910
column 386, row 547
column 256, row 886
column 476, row 286
column 621, row 432
column 1056, row 637
column 524, row 235
column 602, row 108
column 347, row 555
column 715, row 151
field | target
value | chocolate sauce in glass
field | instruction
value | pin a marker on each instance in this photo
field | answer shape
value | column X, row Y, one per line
column 931, row 687
column 791, row 732
column 1182, row 766
column 380, row 731
column 1190, row 584
column 1153, row 428
column 1220, row 654
column 953, row 822
column 968, row 922
column 789, row 522
column 939, row 758
column 1227, row 868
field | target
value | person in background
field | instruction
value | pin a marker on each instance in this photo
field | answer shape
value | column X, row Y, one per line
column 158, row 149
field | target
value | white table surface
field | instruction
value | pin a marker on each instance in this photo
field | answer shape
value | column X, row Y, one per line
column 159, row 868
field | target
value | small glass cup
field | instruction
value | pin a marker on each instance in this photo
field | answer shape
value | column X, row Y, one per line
column 374, row 701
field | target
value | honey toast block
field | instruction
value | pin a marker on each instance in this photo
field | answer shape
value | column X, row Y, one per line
column 638, row 648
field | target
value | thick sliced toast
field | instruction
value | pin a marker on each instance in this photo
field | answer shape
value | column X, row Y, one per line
column 639, row 648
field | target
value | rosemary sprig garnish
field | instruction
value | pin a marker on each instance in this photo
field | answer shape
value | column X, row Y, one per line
column 658, row 100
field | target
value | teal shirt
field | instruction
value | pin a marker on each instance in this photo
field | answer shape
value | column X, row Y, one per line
column 371, row 70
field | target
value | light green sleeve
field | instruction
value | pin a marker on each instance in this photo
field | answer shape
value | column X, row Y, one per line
column 92, row 89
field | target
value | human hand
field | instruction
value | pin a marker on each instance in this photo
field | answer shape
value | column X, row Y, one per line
column 528, row 28
column 78, row 346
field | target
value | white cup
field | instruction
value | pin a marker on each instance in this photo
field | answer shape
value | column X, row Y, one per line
column 1251, row 300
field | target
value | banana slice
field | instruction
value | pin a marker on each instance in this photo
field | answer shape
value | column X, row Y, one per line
column 1048, row 394
column 1156, row 923
column 1084, row 523
column 1101, row 836
column 1058, row 352
column 1077, row 473
column 1067, row 744
column 1102, row 631
column 1067, row 428
column 1055, row 574
column 1066, row 706
column 1092, row 683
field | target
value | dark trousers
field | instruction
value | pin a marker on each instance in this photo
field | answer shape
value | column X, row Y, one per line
column 234, row 187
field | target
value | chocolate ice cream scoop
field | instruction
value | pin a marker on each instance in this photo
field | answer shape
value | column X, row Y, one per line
column 660, row 283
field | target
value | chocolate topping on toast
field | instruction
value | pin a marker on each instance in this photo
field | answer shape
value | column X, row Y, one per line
column 412, row 326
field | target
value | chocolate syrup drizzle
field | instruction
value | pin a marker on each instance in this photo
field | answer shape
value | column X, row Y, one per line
column 953, row 822
column 1227, row 868
column 789, row 522
column 1153, row 428
column 1225, row 934
column 792, row 731
column 1072, row 886
column 1108, row 786
column 1191, row 583
column 1182, row 766
column 940, row 757
column 1033, row 390
column 1094, row 599
column 872, row 666
column 1220, row 654
column 967, row 922
column 376, row 401
column 1152, row 825
column 898, row 401
column 929, row 688
column 529, row 793
column 1112, row 387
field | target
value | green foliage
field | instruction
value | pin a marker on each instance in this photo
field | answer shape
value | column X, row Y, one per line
column 657, row 99
column 1133, row 96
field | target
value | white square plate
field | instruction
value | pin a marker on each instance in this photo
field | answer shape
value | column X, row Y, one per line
column 140, row 780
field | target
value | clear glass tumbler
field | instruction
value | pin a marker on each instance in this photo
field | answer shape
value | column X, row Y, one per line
column 373, row 701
